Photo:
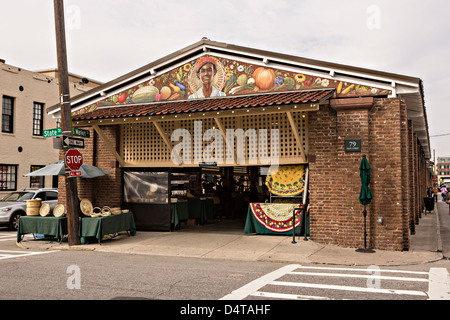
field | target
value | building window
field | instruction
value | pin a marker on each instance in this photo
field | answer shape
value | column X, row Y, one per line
column 36, row 182
column 7, row 114
column 8, row 177
column 38, row 109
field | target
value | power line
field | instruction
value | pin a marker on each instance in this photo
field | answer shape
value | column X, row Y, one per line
column 440, row 135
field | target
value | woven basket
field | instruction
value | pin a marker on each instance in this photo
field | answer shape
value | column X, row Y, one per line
column 86, row 207
column 96, row 212
column 59, row 210
column 44, row 210
column 33, row 207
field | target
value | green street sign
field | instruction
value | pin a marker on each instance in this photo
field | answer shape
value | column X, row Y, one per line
column 57, row 132
column 48, row 133
column 80, row 132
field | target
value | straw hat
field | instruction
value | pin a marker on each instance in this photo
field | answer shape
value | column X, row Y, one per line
column 86, row 207
column 44, row 210
column 59, row 210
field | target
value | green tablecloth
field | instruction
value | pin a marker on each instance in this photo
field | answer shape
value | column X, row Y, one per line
column 101, row 226
column 201, row 209
column 54, row 226
column 252, row 225
column 179, row 212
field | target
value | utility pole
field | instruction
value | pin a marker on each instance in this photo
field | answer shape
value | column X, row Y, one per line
column 66, row 122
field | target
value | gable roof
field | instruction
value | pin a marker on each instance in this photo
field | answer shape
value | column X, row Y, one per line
column 404, row 87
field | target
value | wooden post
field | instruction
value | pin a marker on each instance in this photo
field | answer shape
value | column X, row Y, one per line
column 66, row 121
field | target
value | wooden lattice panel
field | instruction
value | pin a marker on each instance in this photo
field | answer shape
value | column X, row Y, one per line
column 142, row 143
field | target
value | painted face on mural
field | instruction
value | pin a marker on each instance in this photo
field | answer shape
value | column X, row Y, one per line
column 206, row 73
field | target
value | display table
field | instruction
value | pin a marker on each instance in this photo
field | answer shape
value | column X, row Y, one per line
column 54, row 226
column 101, row 226
column 273, row 218
column 179, row 212
column 201, row 209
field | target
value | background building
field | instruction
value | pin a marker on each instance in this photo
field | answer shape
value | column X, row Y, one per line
column 443, row 169
column 25, row 95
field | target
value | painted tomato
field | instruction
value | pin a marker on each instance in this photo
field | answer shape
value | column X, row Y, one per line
column 121, row 97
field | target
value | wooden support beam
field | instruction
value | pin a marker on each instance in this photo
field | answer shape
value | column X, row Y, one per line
column 166, row 140
column 297, row 135
column 224, row 134
column 108, row 144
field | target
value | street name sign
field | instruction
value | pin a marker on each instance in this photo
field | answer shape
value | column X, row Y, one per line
column 73, row 142
column 81, row 132
column 56, row 132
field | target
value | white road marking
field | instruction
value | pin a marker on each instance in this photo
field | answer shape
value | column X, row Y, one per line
column 286, row 296
column 257, row 284
column 438, row 283
column 10, row 254
column 347, row 288
column 343, row 275
column 439, row 287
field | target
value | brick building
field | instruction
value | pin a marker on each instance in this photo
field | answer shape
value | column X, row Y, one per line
column 25, row 96
column 311, row 110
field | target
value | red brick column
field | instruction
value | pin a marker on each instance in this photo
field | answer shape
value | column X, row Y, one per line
column 352, row 123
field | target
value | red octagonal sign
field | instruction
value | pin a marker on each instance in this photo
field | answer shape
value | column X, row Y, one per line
column 73, row 159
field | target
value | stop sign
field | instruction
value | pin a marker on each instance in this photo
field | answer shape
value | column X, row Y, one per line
column 73, row 159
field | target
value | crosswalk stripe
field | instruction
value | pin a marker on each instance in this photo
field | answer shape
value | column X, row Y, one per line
column 439, row 288
column 342, row 275
column 10, row 254
column 363, row 270
column 438, row 280
column 347, row 288
column 286, row 296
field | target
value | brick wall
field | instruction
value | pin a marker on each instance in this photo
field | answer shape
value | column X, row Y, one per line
column 397, row 187
column 104, row 190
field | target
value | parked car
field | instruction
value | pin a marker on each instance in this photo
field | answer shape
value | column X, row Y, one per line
column 14, row 205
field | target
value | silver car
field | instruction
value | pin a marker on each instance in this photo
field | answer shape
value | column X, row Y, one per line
column 13, row 205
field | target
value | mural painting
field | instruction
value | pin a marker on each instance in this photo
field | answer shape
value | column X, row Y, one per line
column 209, row 77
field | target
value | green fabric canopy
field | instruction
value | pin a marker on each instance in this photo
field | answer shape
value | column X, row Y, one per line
column 365, row 196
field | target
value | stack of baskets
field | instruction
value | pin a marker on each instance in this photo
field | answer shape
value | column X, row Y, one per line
column 35, row 207
column 94, row 212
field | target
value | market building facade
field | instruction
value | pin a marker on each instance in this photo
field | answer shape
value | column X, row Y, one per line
column 213, row 119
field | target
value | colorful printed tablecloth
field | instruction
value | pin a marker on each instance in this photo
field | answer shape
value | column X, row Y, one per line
column 287, row 180
column 272, row 218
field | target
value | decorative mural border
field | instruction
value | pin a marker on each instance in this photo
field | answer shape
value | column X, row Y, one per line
column 230, row 78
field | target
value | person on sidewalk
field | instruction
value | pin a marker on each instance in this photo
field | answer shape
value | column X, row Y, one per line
column 430, row 192
column 444, row 193
column 435, row 193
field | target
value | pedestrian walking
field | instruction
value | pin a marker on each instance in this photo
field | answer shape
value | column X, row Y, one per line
column 444, row 193
column 435, row 193
column 430, row 192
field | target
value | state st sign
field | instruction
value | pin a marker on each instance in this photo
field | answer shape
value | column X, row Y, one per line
column 73, row 159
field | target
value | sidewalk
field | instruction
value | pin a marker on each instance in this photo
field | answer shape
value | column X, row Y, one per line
column 226, row 240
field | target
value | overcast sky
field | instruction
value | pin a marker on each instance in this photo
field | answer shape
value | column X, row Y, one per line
column 108, row 38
